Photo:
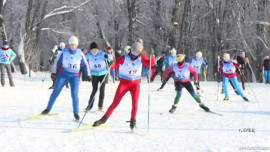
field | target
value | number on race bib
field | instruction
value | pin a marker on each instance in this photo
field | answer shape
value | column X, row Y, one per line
column 131, row 72
column 97, row 66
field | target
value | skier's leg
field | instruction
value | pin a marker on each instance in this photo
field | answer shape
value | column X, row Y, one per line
column 94, row 91
column 2, row 69
column 120, row 92
column 191, row 91
column 8, row 68
column 101, row 92
column 60, row 82
column 135, row 92
column 237, row 87
column 74, row 85
column 225, row 87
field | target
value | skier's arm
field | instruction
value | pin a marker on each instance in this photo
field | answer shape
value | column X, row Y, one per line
column 165, row 63
column 119, row 61
column 168, row 73
column 12, row 56
column 236, row 65
column 194, row 72
column 58, row 63
column 84, row 63
column 262, row 65
column 146, row 61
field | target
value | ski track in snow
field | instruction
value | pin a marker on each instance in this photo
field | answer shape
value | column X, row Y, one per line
column 188, row 129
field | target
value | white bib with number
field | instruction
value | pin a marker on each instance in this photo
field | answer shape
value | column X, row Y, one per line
column 131, row 70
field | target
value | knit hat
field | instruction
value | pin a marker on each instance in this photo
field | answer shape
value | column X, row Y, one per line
column 199, row 54
column 173, row 50
column 119, row 51
column 5, row 42
column 180, row 57
column 243, row 52
column 137, row 47
column 139, row 40
column 127, row 48
column 73, row 40
column 93, row 45
column 266, row 58
column 62, row 45
column 109, row 48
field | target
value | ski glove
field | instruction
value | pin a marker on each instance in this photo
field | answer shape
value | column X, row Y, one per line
column 106, row 56
column 53, row 76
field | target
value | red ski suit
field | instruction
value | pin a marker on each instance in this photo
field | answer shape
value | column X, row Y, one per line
column 127, row 85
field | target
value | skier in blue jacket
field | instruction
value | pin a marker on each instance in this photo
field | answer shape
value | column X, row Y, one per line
column 69, row 61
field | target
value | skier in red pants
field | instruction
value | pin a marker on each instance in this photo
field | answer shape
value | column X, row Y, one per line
column 130, row 69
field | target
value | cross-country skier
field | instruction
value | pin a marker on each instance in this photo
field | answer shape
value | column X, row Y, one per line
column 98, row 62
column 56, row 52
column 130, row 68
column 181, row 71
column 228, row 68
column 158, row 68
column 111, row 60
column 265, row 66
column 69, row 62
column 168, row 63
column 243, row 63
column 197, row 63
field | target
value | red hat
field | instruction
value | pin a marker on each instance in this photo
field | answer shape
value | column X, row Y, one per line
column 109, row 48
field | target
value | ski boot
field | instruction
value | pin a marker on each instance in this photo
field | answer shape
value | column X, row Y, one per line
column 132, row 124
column 226, row 99
column 236, row 92
column 45, row 112
column 222, row 91
column 100, row 109
column 204, row 107
column 246, row 99
column 76, row 116
column 100, row 122
column 173, row 109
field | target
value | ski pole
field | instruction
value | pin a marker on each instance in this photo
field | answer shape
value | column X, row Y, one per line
column 149, row 82
column 241, row 73
column 86, row 111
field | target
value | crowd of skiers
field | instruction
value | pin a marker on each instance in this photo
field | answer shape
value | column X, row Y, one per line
column 70, row 63
column 97, row 66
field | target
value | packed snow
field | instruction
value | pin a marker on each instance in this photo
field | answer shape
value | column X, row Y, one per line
column 244, row 126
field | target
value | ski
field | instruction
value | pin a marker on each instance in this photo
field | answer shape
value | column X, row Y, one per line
column 89, row 111
column 212, row 112
column 37, row 116
column 87, row 127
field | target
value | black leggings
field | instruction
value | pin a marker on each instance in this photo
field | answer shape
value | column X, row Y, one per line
column 95, row 81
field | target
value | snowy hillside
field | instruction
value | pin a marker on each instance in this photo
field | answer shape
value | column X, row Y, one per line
column 244, row 125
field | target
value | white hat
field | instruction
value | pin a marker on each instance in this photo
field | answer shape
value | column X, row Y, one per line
column 137, row 47
column 127, row 48
column 73, row 40
column 199, row 54
column 173, row 50
column 119, row 51
column 226, row 56
column 62, row 45
column 266, row 58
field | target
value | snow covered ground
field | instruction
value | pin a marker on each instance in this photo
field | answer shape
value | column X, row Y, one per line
column 189, row 129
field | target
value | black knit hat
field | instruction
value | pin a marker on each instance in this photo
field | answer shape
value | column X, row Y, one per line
column 93, row 45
